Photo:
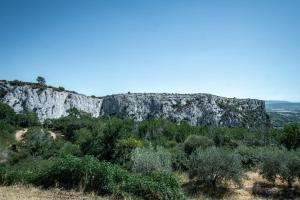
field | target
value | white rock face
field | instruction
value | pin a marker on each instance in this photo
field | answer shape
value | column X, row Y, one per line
column 49, row 104
column 194, row 109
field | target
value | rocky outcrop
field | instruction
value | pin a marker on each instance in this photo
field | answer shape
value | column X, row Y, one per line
column 47, row 103
column 194, row 109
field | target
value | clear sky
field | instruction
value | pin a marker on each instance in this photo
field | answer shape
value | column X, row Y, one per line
column 232, row 48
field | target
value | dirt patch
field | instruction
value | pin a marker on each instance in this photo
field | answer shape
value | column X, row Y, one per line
column 53, row 135
column 20, row 133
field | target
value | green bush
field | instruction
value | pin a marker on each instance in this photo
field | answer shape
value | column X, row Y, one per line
column 61, row 89
column 104, row 141
column 27, row 119
column 85, row 173
column 148, row 159
column 70, row 149
column 280, row 163
column 82, row 135
column 214, row 166
column 7, row 114
column 155, row 186
column 88, row 174
column 9, row 176
column 123, row 149
column 224, row 137
column 251, row 157
column 179, row 158
column 290, row 137
column 38, row 143
column 197, row 141
column 22, row 173
column 7, row 136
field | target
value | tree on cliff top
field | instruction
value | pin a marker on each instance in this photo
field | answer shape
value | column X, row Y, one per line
column 41, row 80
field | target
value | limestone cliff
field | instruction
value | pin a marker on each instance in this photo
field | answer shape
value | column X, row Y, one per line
column 194, row 109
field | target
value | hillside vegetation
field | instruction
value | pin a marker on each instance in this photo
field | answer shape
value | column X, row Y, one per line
column 156, row 159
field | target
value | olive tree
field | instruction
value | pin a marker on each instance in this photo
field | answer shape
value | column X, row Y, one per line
column 148, row 159
column 214, row 166
column 197, row 141
column 282, row 164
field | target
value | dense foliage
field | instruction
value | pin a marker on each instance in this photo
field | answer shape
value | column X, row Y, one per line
column 145, row 160
column 281, row 163
column 214, row 166
column 139, row 160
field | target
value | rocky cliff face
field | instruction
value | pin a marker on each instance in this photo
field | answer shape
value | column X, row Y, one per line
column 47, row 103
column 194, row 109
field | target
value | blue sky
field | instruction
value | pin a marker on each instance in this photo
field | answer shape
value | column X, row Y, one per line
column 231, row 48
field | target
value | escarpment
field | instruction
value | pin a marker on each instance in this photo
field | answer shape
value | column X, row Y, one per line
column 193, row 109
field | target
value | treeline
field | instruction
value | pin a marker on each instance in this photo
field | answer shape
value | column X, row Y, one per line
column 141, row 160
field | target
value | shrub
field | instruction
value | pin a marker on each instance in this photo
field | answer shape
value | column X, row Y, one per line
column 213, row 166
column 70, row 149
column 290, row 137
column 148, row 159
column 280, row 163
column 155, row 186
column 7, row 114
column 27, row 119
column 38, row 143
column 82, row 135
column 6, row 134
column 88, row 174
column 61, row 89
column 197, row 141
column 123, row 149
column 23, row 173
column 103, row 144
column 179, row 158
column 9, row 176
column 85, row 173
column 251, row 157
column 271, row 165
column 225, row 137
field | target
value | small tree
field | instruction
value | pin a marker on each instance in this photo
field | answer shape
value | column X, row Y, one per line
column 290, row 137
column 291, row 168
column 281, row 163
column 271, row 164
column 197, row 141
column 214, row 165
column 123, row 149
column 148, row 159
column 41, row 80
column 38, row 143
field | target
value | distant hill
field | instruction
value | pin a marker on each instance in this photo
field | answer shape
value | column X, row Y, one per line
column 282, row 112
column 282, row 105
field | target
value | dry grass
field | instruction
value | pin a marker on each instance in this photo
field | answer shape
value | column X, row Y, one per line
column 18, row 192
column 268, row 190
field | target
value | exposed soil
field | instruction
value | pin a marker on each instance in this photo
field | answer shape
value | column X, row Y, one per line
column 19, row 134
